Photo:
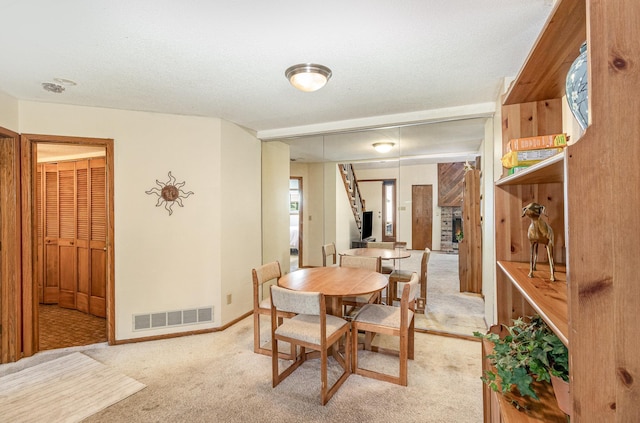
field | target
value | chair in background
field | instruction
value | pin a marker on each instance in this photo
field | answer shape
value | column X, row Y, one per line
column 351, row 304
column 388, row 245
column 388, row 320
column 329, row 251
column 404, row 276
column 265, row 274
column 311, row 328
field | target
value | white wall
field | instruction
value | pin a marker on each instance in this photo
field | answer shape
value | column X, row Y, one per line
column 315, row 215
column 162, row 262
column 371, row 191
column 240, row 226
column 275, row 204
column 9, row 118
column 487, row 210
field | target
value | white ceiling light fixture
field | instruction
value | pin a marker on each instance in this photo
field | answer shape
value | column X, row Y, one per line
column 308, row 77
column 383, row 147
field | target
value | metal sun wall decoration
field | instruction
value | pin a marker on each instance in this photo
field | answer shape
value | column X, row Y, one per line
column 169, row 193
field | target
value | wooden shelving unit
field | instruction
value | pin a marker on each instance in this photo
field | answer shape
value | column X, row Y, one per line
column 548, row 299
column 531, row 411
column 590, row 192
column 547, row 171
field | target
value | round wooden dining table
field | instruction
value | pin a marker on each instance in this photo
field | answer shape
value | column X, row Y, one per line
column 383, row 253
column 335, row 283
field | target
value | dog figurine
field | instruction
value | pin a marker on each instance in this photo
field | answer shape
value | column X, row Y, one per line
column 539, row 233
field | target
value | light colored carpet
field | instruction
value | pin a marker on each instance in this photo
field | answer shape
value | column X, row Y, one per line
column 448, row 309
column 65, row 389
column 216, row 377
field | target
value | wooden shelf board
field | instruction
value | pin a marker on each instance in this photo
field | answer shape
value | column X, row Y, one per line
column 543, row 74
column 548, row 298
column 547, row 171
column 545, row 410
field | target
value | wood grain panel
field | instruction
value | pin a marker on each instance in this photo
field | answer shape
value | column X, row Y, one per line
column 470, row 248
column 421, row 216
column 10, row 268
column 450, row 184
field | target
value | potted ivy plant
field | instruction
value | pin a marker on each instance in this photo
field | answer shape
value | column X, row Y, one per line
column 529, row 351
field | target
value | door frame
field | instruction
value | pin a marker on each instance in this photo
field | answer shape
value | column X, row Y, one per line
column 300, row 219
column 10, row 258
column 392, row 183
column 28, row 144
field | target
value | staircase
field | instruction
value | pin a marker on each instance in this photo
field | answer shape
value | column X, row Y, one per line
column 353, row 192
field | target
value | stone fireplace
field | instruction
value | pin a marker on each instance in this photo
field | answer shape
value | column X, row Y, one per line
column 451, row 224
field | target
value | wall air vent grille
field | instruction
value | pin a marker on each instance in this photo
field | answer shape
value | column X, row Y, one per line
column 190, row 316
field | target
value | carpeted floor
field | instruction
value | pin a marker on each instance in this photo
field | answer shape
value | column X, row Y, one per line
column 216, row 377
column 448, row 310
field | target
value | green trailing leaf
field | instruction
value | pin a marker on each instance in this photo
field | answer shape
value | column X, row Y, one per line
column 529, row 352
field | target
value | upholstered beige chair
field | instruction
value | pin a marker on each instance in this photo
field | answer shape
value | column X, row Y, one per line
column 329, row 252
column 388, row 245
column 310, row 328
column 351, row 304
column 388, row 320
column 404, row 276
column 263, row 276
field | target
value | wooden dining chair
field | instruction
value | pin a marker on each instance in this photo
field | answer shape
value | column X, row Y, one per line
column 264, row 276
column 388, row 245
column 329, row 251
column 405, row 276
column 387, row 320
column 310, row 328
column 352, row 304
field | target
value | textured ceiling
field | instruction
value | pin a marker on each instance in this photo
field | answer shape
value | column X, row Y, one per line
column 226, row 58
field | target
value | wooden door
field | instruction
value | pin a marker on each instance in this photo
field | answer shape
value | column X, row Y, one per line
column 67, row 264
column 82, row 235
column 51, row 283
column 75, row 226
column 11, row 297
column 421, row 216
column 39, row 267
column 98, row 241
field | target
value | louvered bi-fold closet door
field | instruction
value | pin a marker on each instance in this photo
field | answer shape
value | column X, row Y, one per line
column 98, row 237
column 67, row 234
column 39, row 272
column 51, row 282
column 72, row 210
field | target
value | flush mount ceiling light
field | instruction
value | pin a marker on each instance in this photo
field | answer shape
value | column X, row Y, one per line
column 383, row 147
column 53, row 88
column 58, row 85
column 308, row 77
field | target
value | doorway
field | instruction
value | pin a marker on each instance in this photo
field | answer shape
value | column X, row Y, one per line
column 73, row 286
column 70, row 231
column 421, row 216
column 388, row 210
column 295, row 223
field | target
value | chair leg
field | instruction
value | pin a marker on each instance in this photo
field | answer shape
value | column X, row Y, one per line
column 328, row 392
column 411, row 351
column 404, row 349
column 323, row 377
column 256, row 332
